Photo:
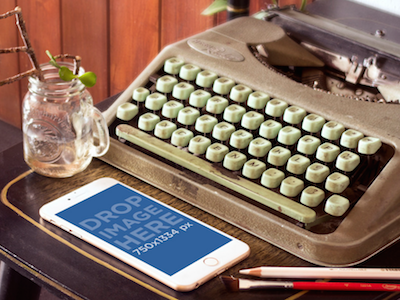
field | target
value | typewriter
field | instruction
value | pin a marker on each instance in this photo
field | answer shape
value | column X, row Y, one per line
column 259, row 123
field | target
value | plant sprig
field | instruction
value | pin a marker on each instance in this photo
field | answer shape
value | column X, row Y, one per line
column 88, row 78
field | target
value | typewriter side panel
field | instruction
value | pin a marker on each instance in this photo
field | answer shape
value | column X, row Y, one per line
column 370, row 226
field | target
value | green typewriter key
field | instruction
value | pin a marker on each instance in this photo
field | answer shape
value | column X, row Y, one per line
column 199, row 144
column 369, row 145
column 278, row 156
column 188, row 116
column 252, row 120
column 182, row 91
column 275, row 108
column 181, row 137
column 206, row 79
column 216, row 105
column 272, row 178
column 294, row 115
column 308, row 144
column 289, row 135
column 312, row 196
column 171, row 109
column 253, row 169
column 148, row 121
column 327, row 152
column 337, row 183
column 258, row 100
column 199, row 98
column 164, row 129
column 347, row 161
column 140, row 94
column 313, row 123
column 297, row 164
column 240, row 93
column 223, row 85
column 291, row 186
column 234, row 113
column 336, row 205
column 223, row 131
column 216, row 152
column 173, row 65
column 332, row 130
column 350, row 138
column 316, row 173
column 234, row 161
column 189, row 72
column 155, row 101
column 127, row 111
column 270, row 129
column 259, row 147
column 205, row 123
column 240, row 139
column 166, row 83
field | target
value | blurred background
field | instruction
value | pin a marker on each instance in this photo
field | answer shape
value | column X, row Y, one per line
column 115, row 38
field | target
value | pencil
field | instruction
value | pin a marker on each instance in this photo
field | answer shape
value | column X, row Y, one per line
column 326, row 273
column 238, row 284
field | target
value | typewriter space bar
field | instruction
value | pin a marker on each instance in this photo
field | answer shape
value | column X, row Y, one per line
column 240, row 185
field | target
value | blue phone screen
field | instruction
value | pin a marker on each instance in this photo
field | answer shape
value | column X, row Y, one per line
column 143, row 228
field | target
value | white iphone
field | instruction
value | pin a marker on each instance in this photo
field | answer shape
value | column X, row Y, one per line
column 162, row 242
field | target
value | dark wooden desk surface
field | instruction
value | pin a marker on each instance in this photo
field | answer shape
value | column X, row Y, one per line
column 73, row 269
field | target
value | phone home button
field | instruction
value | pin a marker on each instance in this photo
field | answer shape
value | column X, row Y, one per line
column 211, row 261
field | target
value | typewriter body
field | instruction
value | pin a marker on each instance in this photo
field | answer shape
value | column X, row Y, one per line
column 355, row 90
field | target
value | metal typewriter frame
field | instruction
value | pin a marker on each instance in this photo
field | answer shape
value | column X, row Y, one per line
column 374, row 222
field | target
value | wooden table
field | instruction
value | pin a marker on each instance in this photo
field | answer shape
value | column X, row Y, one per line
column 48, row 257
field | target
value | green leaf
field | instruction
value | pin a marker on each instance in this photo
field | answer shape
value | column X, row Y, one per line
column 66, row 74
column 52, row 60
column 88, row 79
column 216, row 7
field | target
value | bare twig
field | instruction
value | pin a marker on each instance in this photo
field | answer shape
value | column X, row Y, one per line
column 13, row 50
column 19, row 76
column 9, row 13
column 25, row 38
column 27, row 48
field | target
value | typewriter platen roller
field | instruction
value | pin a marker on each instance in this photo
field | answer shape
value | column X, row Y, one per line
column 260, row 55
column 358, row 65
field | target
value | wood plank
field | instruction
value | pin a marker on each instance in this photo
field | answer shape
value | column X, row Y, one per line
column 85, row 33
column 10, row 97
column 134, row 39
column 182, row 19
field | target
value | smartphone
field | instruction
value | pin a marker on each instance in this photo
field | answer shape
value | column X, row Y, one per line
column 160, row 241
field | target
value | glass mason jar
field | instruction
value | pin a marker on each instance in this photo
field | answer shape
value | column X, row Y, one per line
column 62, row 130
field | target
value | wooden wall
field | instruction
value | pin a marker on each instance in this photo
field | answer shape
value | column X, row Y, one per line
column 115, row 38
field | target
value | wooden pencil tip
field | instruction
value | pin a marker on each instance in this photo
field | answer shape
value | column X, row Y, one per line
column 252, row 272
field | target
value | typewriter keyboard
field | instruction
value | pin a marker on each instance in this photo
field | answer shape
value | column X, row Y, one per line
column 306, row 168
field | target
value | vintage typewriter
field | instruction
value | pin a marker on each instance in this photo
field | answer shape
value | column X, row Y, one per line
column 258, row 123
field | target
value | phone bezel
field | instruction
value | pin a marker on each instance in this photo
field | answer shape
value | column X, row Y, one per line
column 186, row 279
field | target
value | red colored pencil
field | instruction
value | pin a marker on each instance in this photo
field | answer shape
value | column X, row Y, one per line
column 238, row 284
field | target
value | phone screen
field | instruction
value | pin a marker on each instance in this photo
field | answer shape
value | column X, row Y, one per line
column 146, row 229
